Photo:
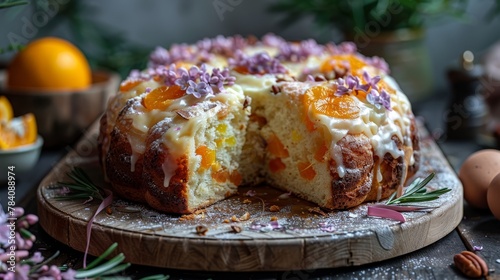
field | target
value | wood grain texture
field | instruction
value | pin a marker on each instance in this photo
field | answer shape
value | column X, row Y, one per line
column 302, row 238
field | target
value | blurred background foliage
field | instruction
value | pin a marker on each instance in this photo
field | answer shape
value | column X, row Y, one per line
column 104, row 47
column 349, row 15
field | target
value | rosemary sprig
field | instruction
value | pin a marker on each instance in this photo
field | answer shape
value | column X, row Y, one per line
column 81, row 188
column 416, row 192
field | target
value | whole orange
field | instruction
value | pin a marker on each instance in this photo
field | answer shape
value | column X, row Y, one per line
column 49, row 64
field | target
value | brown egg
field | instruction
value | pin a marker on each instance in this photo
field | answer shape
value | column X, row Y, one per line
column 493, row 196
column 476, row 174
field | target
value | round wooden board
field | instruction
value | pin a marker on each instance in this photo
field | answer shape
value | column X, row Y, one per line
column 299, row 236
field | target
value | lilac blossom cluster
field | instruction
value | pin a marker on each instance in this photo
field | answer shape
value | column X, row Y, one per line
column 162, row 57
column 199, row 82
column 379, row 63
column 375, row 96
column 272, row 40
column 260, row 63
column 221, row 45
column 342, row 48
column 296, row 52
column 25, row 267
column 196, row 81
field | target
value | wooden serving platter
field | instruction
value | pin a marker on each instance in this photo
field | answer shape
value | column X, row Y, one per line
column 299, row 236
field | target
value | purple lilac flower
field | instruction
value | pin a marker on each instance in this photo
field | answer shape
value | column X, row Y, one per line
column 162, row 57
column 299, row 52
column 221, row 78
column 347, row 86
column 36, row 258
column 379, row 63
column 69, row 274
column 199, row 89
column 371, row 82
column 204, row 44
column 342, row 48
column 272, row 40
column 221, row 45
column 159, row 56
column 170, row 74
column 347, row 47
column 379, row 99
column 180, row 53
column 260, row 63
column 184, row 76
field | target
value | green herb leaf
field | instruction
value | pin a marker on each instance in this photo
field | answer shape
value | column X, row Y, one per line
column 103, row 256
column 156, row 277
column 416, row 192
column 102, row 269
column 81, row 188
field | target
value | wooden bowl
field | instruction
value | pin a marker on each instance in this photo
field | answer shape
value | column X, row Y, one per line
column 62, row 116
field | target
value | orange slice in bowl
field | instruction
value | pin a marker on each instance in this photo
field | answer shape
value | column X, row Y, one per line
column 6, row 112
column 18, row 132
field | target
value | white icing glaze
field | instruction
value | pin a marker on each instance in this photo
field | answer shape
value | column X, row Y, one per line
column 168, row 168
column 336, row 154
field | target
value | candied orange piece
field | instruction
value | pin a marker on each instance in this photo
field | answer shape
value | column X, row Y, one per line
column 322, row 100
column 160, row 98
column 307, row 121
column 320, row 153
column 306, row 170
column 276, row 165
column 220, row 176
column 275, row 147
column 18, row 131
column 129, row 84
column 259, row 119
column 241, row 69
column 235, row 177
column 207, row 157
column 333, row 61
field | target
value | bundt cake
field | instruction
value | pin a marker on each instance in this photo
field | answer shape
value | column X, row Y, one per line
column 320, row 121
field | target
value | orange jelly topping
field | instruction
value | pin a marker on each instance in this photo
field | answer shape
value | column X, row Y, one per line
column 338, row 61
column 161, row 97
column 322, row 100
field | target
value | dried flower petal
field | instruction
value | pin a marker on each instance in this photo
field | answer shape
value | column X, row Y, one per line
column 385, row 213
column 251, row 193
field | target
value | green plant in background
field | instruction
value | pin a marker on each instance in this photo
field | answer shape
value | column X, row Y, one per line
column 351, row 15
column 8, row 4
column 103, row 47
